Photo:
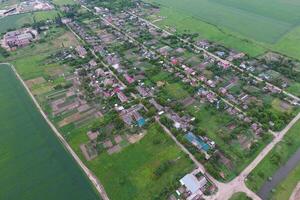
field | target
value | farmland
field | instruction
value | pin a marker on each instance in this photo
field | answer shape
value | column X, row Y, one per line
column 224, row 22
column 17, row 21
column 31, row 154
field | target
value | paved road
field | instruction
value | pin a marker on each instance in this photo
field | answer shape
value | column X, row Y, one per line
column 89, row 174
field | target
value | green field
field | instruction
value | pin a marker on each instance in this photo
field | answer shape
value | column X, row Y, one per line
column 240, row 196
column 176, row 91
column 18, row 21
column 14, row 21
column 129, row 175
column 34, row 164
column 63, row 2
column 250, row 26
column 277, row 157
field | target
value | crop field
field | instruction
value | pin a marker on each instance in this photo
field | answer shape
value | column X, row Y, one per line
column 130, row 174
column 34, row 165
column 250, row 26
column 63, row 2
column 17, row 21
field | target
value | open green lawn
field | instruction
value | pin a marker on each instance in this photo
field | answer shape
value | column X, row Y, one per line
column 8, row 3
column 17, row 21
column 270, row 25
column 286, row 187
column 63, row 2
column 278, row 156
column 240, row 196
column 294, row 88
column 264, row 24
column 129, row 175
column 34, row 164
column 176, row 91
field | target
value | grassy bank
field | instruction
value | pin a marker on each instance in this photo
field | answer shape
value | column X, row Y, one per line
column 240, row 196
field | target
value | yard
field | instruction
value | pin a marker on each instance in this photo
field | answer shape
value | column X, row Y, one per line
column 130, row 174
column 240, row 196
column 176, row 91
column 217, row 126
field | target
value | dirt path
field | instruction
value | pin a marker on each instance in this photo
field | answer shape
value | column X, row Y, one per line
column 89, row 174
column 296, row 193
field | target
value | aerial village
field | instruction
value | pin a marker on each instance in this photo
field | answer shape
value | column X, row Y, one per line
column 218, row 103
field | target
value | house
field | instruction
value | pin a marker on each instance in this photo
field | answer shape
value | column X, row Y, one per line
column 93, row 135
column 224, row 64
column 193, row 185
column 156, row 105
column 197, row 141
column 129, row 79
column 81, row 51
column 93, row 63
column 122, row 97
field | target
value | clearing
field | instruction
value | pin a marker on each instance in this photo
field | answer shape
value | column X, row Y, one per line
column 130, row 174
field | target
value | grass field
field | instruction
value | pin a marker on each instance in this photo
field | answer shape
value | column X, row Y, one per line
column 129, row 175
column 249, row 26
column 34, row 164
column 278, row 156
column 63, row 2
column 29, row 61
column 176, row 91
column 239, row 196
column 17, row 21
column 286, row 187
column 7, row 3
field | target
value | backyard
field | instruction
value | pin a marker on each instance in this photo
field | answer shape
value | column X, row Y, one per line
column 130, row 174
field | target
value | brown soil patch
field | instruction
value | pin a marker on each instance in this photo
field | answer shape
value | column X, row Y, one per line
column 35, row 81
column 135, row 137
